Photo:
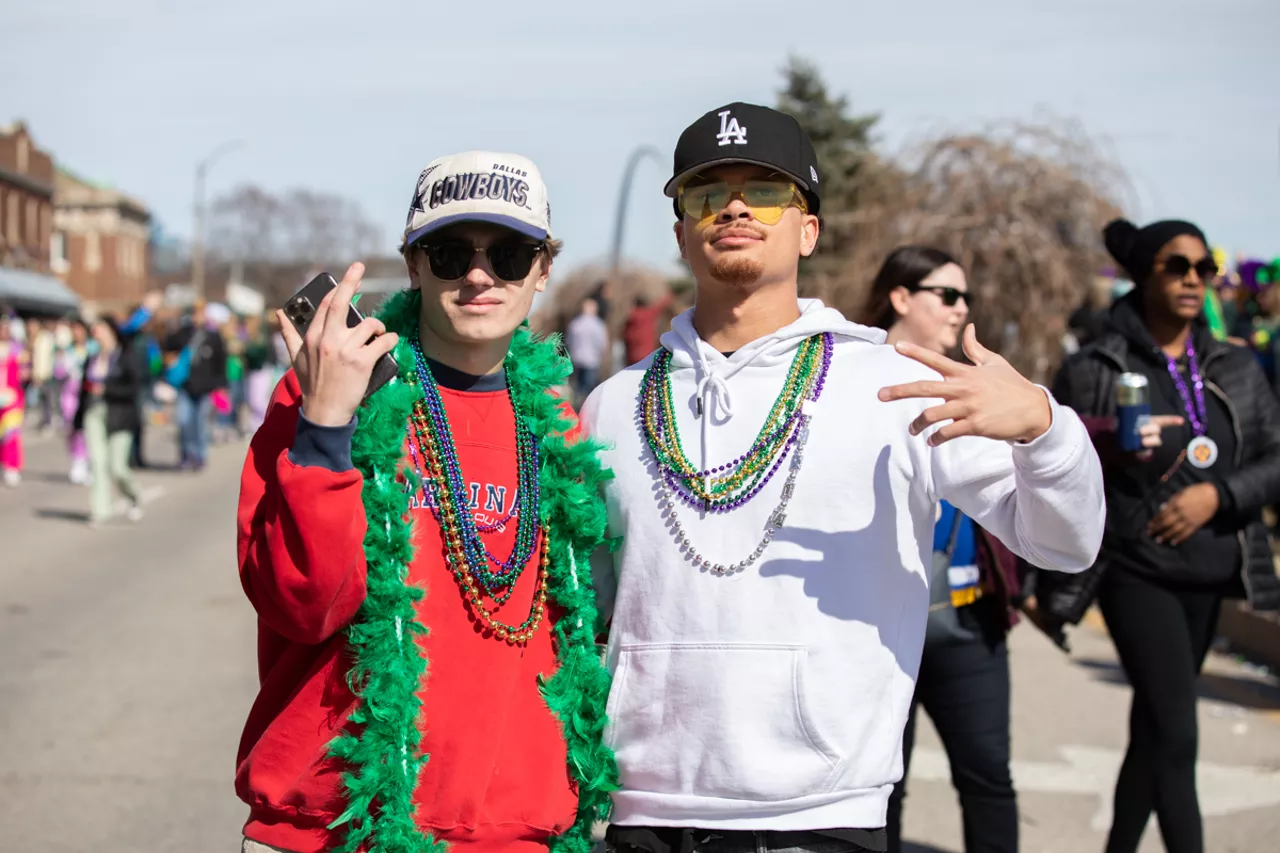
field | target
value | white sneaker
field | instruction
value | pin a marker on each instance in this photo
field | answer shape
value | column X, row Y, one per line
column 12, row 478
column 134, row 512
column 79, row 473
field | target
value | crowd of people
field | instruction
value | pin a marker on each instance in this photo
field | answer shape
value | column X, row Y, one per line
column 790, row 530
column 101, row 381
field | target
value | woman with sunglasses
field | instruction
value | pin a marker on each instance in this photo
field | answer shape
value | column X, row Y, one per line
column 1184, row 525
column 921, row 296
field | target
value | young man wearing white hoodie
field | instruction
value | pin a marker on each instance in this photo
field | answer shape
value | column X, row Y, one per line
column 770, row 593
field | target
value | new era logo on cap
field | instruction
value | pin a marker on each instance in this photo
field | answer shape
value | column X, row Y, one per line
column 480, row 186
column 748, row 133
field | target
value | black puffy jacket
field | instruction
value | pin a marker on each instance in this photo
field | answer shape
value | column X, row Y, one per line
column 1087, row 382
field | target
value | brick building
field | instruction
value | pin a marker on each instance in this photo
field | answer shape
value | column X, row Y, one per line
column 100, row 242
column 26, row 201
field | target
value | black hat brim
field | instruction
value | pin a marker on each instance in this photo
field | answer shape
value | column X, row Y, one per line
column 674, row 184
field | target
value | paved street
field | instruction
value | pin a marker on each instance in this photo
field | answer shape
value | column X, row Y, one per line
column 127, row 667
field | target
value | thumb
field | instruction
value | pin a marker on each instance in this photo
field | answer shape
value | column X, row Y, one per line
column 977, row 353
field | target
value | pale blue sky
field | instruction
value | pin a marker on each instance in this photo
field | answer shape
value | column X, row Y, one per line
column 357, row 97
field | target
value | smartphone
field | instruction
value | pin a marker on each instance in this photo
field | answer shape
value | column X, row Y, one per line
column 301, row 307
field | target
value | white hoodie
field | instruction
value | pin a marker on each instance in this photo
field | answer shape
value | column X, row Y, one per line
column 775, row 697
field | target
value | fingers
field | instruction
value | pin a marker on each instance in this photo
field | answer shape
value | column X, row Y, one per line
column 977, row 353
column 929, row 358
column 1164, row 421
column 911, row 390
column 292, row 340
column 366, row 330
column 955, row 429
column 934, row 414
column 340, row 305
column 315, row 330
column 382, row 345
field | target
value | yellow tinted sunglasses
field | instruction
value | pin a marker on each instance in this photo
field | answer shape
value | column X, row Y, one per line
column 768, row 200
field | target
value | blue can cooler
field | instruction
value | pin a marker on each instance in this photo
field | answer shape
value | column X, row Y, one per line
column 1133, row 410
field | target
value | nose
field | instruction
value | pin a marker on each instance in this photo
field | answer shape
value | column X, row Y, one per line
column 479, row 274
column 736, row 209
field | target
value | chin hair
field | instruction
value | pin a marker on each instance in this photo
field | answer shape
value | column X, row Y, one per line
column 737, row 272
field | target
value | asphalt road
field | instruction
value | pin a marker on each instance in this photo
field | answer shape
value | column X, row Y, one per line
column 127, row 667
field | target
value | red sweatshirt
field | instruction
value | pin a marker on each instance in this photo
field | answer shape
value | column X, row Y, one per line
column 496, row 779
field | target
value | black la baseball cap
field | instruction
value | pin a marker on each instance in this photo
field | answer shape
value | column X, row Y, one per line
column 748, row 133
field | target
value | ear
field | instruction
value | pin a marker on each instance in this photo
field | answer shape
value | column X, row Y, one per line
column 540, row 283
column 809, row 230
column 410, row 259
column 900, row 299
column 679, row 229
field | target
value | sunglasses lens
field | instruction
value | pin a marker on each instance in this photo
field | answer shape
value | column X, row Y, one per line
column 1177, row 265
column 1207, row 269
column 449, row 261
column 768, row 200
column 704, row 201
column 512, row 261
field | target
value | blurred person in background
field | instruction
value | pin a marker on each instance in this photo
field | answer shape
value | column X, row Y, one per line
column 261, row 366
column 199, row 368
column 107, row 411
column 587, row 341
column 1184, row 526
column 77, row 354
column 233, row 396
column 640, row 332
column 40, row 349
column 1087, row 323
column 13, row 404
column 921, row 296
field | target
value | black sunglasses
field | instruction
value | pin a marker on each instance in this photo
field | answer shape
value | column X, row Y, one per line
column 510, row 261
column 949, row 295
column 1179, row 265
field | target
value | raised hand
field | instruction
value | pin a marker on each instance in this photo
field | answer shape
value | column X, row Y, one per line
column 988, row 398
column 333, row 363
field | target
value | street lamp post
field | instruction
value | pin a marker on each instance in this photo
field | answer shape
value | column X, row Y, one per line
column 197, row 243
column 620, row 217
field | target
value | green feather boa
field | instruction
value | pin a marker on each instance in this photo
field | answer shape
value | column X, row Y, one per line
column 382, row 744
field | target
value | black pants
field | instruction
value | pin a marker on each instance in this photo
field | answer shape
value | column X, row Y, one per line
column 653, row 839
column 1162, row 636
column 965, row 689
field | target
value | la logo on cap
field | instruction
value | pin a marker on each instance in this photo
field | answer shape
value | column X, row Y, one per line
column 730, row 130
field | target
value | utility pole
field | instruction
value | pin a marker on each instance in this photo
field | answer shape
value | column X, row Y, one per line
column 197, row 240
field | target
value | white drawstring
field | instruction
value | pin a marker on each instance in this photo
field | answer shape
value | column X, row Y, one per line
column 715, row 383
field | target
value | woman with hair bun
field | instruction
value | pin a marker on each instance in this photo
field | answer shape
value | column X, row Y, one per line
column 1184, row 524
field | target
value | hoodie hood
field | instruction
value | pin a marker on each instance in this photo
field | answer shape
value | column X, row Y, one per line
column 714, row 370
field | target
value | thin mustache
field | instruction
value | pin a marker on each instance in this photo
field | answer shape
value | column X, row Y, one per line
column 735, row 229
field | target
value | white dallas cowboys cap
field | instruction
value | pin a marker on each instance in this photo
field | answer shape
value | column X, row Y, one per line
column 480, row 186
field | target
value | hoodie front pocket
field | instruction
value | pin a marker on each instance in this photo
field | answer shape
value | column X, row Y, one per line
column 717, row 720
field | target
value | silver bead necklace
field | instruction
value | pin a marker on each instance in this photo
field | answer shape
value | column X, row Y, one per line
column 667, row 498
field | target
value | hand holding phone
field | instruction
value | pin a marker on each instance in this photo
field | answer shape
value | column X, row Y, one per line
column 339, row 356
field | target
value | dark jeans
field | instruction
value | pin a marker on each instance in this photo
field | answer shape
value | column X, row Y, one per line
column 631, row 839
column 965, row 689
column 1162, row 636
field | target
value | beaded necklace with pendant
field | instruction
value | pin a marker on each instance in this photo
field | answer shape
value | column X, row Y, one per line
column 670, row 493
column 447, row 497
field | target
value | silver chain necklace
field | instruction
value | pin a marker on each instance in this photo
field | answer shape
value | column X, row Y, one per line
column 667, row 498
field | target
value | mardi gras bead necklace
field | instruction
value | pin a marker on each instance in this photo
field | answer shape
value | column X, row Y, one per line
column 468, row 559
column 671, row 487
column 730, row 486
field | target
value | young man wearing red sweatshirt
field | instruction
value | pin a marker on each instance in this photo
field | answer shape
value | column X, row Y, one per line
column 425, row 646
